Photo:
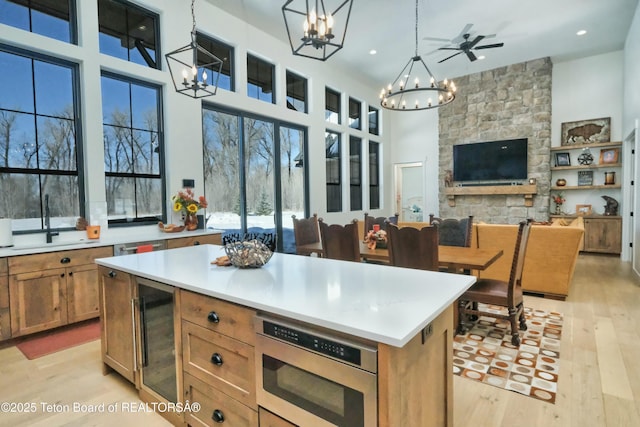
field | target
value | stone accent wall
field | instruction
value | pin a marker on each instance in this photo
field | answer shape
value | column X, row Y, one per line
column 505, row 103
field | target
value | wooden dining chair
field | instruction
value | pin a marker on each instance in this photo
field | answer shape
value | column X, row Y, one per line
column 453, row 232
column 413, row 248
column 305, row 231
column 496, row 292
column 382, row 221
column 340, row 242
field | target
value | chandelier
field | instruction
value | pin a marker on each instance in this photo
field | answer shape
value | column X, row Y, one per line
column 416, row 89
column 317, row 32
column 188, row 67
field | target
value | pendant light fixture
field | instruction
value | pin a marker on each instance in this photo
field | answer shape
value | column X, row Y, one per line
column 416, row 88
column 189, row 64
column 316, row 29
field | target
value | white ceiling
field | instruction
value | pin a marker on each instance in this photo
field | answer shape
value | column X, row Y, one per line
column 529, row 29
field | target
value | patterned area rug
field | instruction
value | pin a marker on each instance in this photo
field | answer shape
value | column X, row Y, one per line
column 485, row 354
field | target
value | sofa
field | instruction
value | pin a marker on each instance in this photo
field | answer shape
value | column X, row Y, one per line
column 550, row 259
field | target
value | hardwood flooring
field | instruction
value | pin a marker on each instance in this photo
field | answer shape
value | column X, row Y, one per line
column 599, row 382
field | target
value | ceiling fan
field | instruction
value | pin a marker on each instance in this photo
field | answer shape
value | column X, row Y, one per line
column 467, row 45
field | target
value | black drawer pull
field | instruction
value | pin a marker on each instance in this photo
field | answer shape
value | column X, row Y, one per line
column 112, row 274
column 218, row 416
column 196, row 243
column 65, row 260
column 216, row 359
column 213, row 317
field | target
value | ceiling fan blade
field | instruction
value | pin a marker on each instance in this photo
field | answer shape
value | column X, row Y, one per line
column 449, row 48
column 460, row 37
column 436, row 39
column 475, row 41
column 489, row 46
column 471, row 56
column 449, row 57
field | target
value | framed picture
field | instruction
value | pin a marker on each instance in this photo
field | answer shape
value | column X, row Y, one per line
column 609, row 155
column 583, row 210
column 585, row 177
column 563, row 159
column 586, row 131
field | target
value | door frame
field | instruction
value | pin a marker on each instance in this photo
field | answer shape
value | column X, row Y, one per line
column 397, row 186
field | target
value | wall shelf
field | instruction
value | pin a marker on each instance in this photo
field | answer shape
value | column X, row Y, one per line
column 527, row 191
column 581, row 146
column 591, row 166
column 585, row 187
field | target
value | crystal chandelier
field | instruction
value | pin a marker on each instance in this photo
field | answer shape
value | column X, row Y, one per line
column 317, row 33
column 188, row 67
column 417, row 89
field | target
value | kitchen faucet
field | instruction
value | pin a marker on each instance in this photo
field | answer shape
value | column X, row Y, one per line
column 47, row 220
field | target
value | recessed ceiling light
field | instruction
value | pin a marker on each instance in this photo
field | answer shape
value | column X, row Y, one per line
column 373, row 52
column 581, row 32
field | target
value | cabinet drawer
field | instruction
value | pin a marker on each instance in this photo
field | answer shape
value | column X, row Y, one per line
column 4, row 269
column 267, row 419
column 232, row 320
column 206, row 239
column 233, row 413
column 222, row 362
column 46, row 261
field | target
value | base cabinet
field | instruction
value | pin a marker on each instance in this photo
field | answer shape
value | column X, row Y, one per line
column 5, row 313
column 603, row 235
column 268, row 419
column 205, row 239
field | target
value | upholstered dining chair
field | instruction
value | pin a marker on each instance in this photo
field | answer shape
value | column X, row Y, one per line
column 340, row 242
column 453, row 232
column 500, row 293
column 382, row 221
column 305, row 230
column 413, row 248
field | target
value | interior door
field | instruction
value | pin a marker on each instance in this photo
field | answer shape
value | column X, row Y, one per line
column 409, row 191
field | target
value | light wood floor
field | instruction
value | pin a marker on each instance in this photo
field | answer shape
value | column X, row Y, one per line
column 599, row 382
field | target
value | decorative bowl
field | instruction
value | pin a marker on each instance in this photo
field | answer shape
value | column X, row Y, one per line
column 248, row 253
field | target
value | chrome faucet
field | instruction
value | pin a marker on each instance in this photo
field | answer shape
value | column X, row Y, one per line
column 47, row 220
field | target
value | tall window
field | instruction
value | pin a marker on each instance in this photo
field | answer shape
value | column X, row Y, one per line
column 355, row 172
column 332, row 106
column 355, row 113
column 39, row 146
column 55, row 19
column 132, row 150
column 374, row 175
column 129, row 32
column 296, row 92
column 373, row 121
column 260, row 79
column 333, row 161
column 224, row 52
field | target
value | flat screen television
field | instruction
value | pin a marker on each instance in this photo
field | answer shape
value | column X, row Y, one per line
column 503, row 161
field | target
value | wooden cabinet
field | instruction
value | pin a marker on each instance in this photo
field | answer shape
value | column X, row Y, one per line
column 218, row 360
column 203, row 239
column 268, row 419
column 117, row 310
column 603, row 235
column 5, row 317
column 53, row 289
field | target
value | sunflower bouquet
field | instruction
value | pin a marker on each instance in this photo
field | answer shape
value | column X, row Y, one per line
column 186, row 202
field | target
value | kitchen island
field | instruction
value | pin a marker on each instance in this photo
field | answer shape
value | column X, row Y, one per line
column 405, row 314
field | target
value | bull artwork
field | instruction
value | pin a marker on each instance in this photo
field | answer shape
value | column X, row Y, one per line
column 586, row 131
column 611, row 208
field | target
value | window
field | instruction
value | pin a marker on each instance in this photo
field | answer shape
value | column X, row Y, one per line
column 373, row 121
column 355, row 172
column 296, row 92
column 333, row 163
column 39, row 143
column 223, row 52
column 355, row 112
column 55, row 19
column 132, row 150
column 260, row 79
column 129, row 32
column 332, row 106
column 374, row 175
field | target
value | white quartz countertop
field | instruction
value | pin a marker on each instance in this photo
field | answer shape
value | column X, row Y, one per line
column 385, row 304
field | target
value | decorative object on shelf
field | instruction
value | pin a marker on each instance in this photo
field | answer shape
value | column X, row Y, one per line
column 611, row 208
column 561, row 182
column 563, row 159
column 610, row 155
column 417, row 89
column 186, row 203
column 376, row 238
column 81, row 224
column 532, row 181
column 316, row 36
column 93, row 231
column 170, row 228
column 583, row 210
column 585, row 178
column 448, row 178
column 609, row 178
column 248, row 253
column 188, row 67
column 586, row 131
column 558, row 199
column 585, row 158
